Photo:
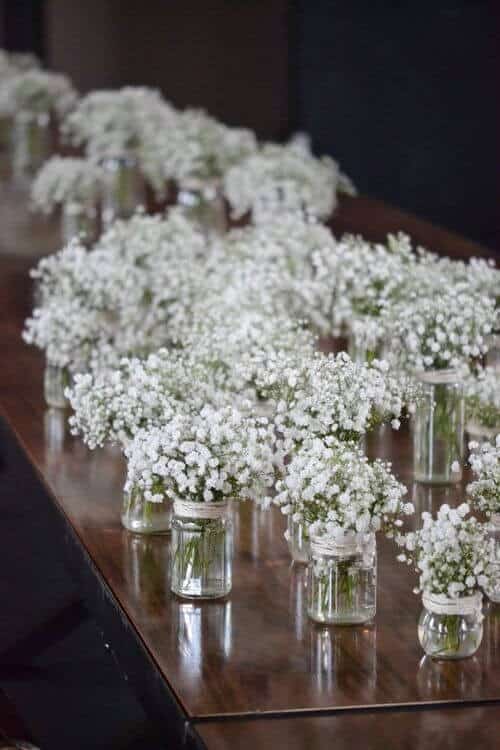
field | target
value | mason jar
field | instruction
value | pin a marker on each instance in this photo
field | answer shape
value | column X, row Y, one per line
column 79, row 219
column 123, row 189
column 298, row 543
column 201, row 550
column 451, row 628
column 438, row 428
column 493, row 592
column 56, row 380
column 145, row 517
column 342, row 579
column 202, row 203
column 362, row 353
column 31, row 143
column 492, row 358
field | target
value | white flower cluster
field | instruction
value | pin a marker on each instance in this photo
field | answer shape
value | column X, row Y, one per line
column 212, row 455
column 484, row 491
column 33, row 92
column 127, row 296
column 280, row 179
column 12, row 63
column 332, row 489
column 443, row 330
column 65, row 179
column 197, row 148
column 452, row 553
column 330, row 397
column 482, row 393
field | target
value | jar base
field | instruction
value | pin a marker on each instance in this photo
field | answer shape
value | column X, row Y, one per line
column 198, row 597
column 359, row 619
column 138, row 528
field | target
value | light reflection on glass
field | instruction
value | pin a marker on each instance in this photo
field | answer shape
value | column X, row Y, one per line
column 298, row 599
column 146, row 567
column 204, row 629
column 334, row 650
column 55, row 429
column 444, row 680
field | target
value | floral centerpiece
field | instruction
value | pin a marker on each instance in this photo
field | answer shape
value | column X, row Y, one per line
column 281, row 179
column 342, row 500
column 436, row 337
column 199, row 462
column 73, row 184
column 453, row 555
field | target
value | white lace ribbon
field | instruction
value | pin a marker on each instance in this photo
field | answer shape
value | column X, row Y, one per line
column 186, row 509
column 440, row 604
column 326, row 545
column 439, row 377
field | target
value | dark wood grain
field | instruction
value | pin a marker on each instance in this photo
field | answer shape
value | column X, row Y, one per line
column 447, row 729
column 256, row 652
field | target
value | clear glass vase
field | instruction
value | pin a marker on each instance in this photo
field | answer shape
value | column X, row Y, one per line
column 123, row 189
column 438, row 429
column 492, row 358
column 342, row 580
column 298, row 544
column 361, row 353
column 31, row 144
column 79, row 219
column 493, row 592
column 202, row 203
column 56, row 380
column 201, row 554
column 451, row 628
column 144, row 517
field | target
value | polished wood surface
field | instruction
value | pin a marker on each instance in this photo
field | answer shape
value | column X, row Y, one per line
column 474, row 728
column 256, row 652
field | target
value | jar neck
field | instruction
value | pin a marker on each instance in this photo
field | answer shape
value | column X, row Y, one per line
column 440, row 604
column 344, row 545
column 439, row 377
column 201, row 510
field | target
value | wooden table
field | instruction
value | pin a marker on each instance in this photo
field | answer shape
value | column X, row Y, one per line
column 251, row 670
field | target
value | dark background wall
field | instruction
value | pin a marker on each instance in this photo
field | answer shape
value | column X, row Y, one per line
column 403, row 94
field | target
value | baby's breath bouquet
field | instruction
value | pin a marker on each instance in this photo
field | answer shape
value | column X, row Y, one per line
column 340, row 500
column 482, row 401
column 282, row 179
column 34, row 92
column 454, row 557
column 63, row 180
column 199, row 462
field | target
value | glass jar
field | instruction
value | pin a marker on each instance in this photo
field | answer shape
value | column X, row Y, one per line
column 144, row 517
column 123, row 189
column 363, row 353
column 438, row 429
column 56, row 380
column 342, row 580
column 451, row 628
column 79, row 219
column 493, row 592
column 31, row 143
column 492, row 358
column 202, row 203
column 201, row 551
column 298, row 544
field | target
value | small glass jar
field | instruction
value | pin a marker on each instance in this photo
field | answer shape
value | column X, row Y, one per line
column 298, row 543
column 492, row 358
column 144, row 517
column 493, row 592
column 56, row 380
column 202, row 550
column 79, row 219
column 451, row 628
column 31, row 144
column 202, row 203
column 362, row 352
column 342, row 580
column 123, row 190
column 438, row 428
